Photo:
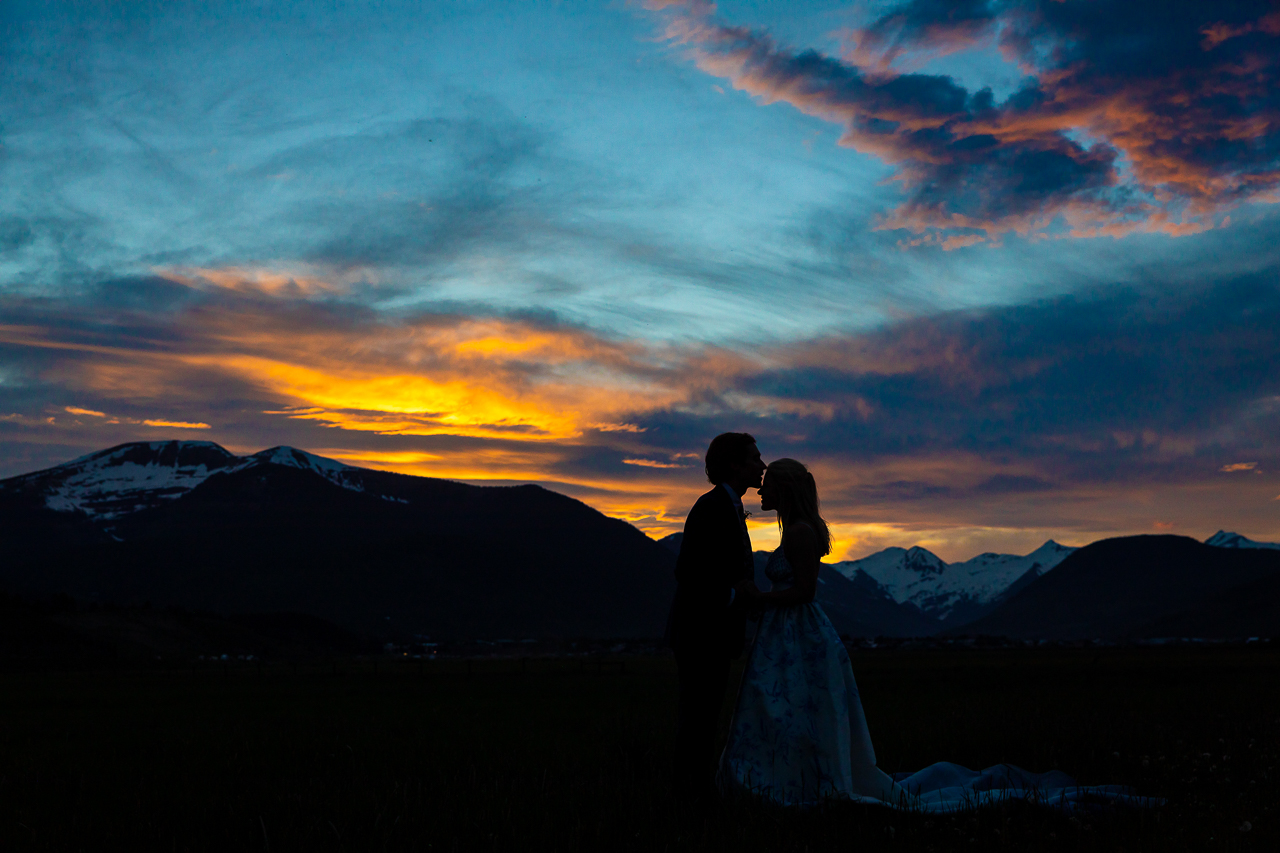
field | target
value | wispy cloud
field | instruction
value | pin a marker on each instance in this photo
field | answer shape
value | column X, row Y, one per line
column 1135, row 117
column 652, row 463
column 175, row 424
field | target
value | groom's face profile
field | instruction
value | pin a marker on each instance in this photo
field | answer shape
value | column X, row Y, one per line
column 749, row 473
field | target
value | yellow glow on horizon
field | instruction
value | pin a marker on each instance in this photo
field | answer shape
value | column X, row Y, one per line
column 410, row 404
column 391, row 459
column 477, row 464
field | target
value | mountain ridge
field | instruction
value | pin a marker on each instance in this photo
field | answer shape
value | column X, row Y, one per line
column 139, row 475
column 375, row 552
column 1223, row 539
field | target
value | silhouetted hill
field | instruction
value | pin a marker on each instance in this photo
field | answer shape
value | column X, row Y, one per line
column 377, row 553
column 1140, row 586
column 1249, row 610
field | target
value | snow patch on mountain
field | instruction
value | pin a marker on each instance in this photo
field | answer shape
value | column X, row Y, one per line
column 987, row 576
column 952, row 591
column 330, row 469
column 142, row 474
column 1223, row 539
column 123, row 479
column 904, row 573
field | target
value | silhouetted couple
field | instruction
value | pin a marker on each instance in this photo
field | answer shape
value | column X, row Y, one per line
column 798, row 735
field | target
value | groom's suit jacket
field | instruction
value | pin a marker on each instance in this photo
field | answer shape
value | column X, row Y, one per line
column 715, row 554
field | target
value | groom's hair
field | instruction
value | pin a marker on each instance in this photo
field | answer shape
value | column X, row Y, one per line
column 728, row 450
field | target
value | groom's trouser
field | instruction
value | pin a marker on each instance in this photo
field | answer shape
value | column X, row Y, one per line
column 703, row 679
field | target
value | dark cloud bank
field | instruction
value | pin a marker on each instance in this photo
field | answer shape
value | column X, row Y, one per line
column 1122, row 385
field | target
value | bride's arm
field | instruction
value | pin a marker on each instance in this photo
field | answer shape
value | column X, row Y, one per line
column 800, row 544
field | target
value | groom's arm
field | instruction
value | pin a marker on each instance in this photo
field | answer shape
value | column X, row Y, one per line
column 705, row 566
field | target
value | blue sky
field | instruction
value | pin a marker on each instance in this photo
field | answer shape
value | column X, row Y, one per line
column 568, row 243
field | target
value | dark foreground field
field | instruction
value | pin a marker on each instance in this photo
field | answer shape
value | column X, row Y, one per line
column 566, row 755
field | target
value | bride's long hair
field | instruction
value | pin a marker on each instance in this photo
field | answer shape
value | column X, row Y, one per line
column 798, row 499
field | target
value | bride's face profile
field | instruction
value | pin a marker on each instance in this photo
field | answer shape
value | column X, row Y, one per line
column 768, row 494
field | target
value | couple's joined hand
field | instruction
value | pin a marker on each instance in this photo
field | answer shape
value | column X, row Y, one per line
column 754, row 599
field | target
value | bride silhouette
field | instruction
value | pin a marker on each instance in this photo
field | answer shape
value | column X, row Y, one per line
column 799, row 735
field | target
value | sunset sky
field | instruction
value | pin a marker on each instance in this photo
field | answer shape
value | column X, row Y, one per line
column 998, row 271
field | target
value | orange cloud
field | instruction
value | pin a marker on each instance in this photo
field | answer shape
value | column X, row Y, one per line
column 26, row 420
column 1216, row 34
column 261, row 280
column 962, row 241
column 76, row 410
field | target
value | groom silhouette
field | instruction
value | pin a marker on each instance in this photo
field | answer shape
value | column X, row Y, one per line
column 708, row 615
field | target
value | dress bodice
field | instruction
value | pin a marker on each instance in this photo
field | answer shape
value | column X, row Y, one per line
column 778, row 570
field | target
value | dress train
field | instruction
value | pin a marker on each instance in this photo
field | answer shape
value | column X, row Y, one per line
column 799, row 736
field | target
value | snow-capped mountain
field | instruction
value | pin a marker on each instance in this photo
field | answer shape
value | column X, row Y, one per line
column 954, row 592
column 130, row 477
column 1223, row 539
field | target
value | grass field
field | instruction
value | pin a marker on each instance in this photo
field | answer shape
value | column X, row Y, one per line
column 564, row 755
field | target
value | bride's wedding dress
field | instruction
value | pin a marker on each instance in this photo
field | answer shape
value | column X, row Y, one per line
column 799, row 735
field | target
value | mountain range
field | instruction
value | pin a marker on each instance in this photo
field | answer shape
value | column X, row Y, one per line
column 953, row 593
column 189, row 524
column 381, row 555
column 958, row 597
column 1221, row 589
